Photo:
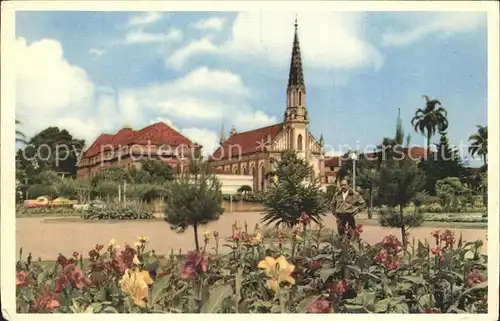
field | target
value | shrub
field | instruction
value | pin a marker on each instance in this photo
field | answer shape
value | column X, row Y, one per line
column 117, row 212
column 22, row 210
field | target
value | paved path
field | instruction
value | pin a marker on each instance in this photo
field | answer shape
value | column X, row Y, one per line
column 46, row 239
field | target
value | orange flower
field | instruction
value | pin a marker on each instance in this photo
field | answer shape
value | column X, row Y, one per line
column 135, row 284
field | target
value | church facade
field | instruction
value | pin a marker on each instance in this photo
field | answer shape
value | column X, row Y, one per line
column 253, row 152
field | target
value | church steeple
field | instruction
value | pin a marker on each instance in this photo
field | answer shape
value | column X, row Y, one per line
column 222, row 135
column 296, row 76
column 296, row 89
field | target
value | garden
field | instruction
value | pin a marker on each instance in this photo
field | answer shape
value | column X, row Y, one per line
column 289, row 262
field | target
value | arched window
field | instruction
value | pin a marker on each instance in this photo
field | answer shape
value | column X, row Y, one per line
column 300, row 98
column 293, row 98
column 299, row 142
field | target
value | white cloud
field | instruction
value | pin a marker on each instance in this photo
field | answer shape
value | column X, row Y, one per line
column 212, row 23
column 194, row 103
column 202, row 95
column 46, row 81
column 179, row 57
column 440, row 24
column 139, row 36
column 96, row 52
column 145, row 18
column 328, row 40
column 205, row 137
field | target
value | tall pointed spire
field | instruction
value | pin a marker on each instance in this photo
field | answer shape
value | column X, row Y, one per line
column 296, row 77
column 399, row 129
column 222, row 135
column 296, row 90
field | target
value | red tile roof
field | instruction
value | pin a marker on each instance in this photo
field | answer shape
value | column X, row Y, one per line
column 332, row 161
column 155, row 134
column 247, row 142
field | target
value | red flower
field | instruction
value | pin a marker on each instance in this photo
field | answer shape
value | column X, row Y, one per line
column 475, row 277
column 448, row 237
column 236, row 236
column 436, row 234
column 46, row 302
column 432, row 310
column 394, row 264
column 391, row 242
column 338, row 288
column 63, row 261
column 319, row 306
column 73, row 275
column 304, row 218
column 359, row 229
column 125, row 259
column 194, row 264
column 437, row 251
column 381, row 257
column 21, row 278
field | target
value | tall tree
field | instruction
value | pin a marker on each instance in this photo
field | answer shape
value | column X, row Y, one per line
column 429, row 120
column 293, row 193
column 400, row 182
column 51, row 149
column 446, row 162
column 479, row 143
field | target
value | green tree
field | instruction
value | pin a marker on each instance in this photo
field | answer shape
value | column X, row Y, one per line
column 400, row 181
column 479, row 143
column 51, row 149
column 244, row 189
column 452, row 193
column 194, row 198
column 159, row 171
column 445, row 162
column 429, row 120
column 293, row 193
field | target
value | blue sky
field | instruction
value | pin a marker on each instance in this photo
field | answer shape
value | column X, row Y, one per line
column 93, row 72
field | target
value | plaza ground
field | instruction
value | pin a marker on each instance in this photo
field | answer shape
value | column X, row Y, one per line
column 46, row 237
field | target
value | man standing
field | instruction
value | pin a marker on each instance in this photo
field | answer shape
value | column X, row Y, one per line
column 345, row 204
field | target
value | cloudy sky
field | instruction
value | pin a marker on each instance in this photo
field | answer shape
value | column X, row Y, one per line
column 94, row 72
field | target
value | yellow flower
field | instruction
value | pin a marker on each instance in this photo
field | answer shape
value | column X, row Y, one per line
column 257, row 238
column 278, row 270
column 136, row 260
column 207, row 234
column 135, row 283
column 143, row 239
column 137, row 244
column 112, row 243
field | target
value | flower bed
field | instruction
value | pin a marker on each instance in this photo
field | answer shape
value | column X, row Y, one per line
column 456, row 218
column 22, row 210
column 295, row 273
column 117, row 213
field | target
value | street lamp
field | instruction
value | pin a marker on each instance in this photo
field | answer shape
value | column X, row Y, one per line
column 354, row 157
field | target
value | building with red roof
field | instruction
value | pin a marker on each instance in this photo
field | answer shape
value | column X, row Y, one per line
column 252, row 152
column 127, row 147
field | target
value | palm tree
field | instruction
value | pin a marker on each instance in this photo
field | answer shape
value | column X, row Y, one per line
column 479, row 143
column 430, row 119
column 20, row 137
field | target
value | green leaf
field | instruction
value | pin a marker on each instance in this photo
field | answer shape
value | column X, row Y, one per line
column 109, row 309
column 427, row 300
column 402, row 308
column 304, row 304
column 355, row 269
column 382, row 305
column 355, row 308
column 214, row 301
column 415, row 279
column 156, row 289
column 325, row 273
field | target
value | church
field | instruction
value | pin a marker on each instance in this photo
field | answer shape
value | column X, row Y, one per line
column 252, row 152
